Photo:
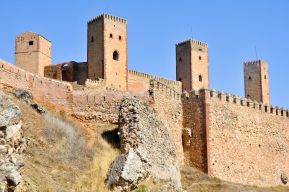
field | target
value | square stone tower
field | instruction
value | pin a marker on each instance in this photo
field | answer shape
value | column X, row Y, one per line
column 32, row 52
column 192, row 65
column 256, row 79
column 107, row 50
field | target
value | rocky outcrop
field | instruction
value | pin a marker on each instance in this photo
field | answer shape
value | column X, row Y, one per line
column 12, row 144
column 27, row 97
column 147, row 149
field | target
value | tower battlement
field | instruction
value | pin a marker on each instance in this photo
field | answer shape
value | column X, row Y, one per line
column 254, row 62
column 107, row 16
column 195, row 42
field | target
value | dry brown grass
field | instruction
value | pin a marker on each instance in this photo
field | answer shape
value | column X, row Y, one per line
column 194, row 180
column 64, row 155
column 93, row 180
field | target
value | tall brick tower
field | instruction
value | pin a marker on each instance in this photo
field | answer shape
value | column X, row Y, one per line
column 32, row 52
column 107, row 50
column 192, row 65
column 256, row 79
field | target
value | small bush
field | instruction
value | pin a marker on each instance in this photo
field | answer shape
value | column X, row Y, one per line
column 142, row 188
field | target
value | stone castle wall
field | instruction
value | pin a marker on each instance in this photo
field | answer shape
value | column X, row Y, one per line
column 245, row 141
column 168, row 105
column 44, row 90
column 195, row 112
column 138, row 81
column 90, row 104
column 100, row 106
column 229, row 137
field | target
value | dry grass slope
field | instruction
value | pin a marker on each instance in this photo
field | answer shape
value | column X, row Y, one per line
column 64, row 155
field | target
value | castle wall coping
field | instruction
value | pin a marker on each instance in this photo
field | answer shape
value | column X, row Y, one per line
column 241, row 101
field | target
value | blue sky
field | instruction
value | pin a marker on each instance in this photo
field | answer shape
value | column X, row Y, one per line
column 231, row 28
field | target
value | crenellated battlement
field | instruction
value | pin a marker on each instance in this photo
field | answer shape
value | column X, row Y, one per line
column 160, row 79
column 254, row 62
column 195, row 42
column 107, row 16
column 241, row 101
column 155, row 85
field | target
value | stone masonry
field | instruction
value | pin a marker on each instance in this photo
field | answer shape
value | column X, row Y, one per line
column 107, row 50
column 32, row 52
column 192, row 65
column 256, row 77
column 236, row 139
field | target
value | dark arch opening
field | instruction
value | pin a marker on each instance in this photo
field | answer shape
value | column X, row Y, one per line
column 180, row 59
column 250, row 78
column 115, row 55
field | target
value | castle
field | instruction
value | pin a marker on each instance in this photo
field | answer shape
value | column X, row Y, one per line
column 237, row 139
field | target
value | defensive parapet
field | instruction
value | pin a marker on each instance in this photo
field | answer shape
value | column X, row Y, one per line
column 95, row 84
column 245, row 102
column 253, row 62
column 140, row 81
column 107, row 16
column 44, row 90
column 235, row 138
column 159, row 87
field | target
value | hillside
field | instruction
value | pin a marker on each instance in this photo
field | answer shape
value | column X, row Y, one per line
column 69, row 154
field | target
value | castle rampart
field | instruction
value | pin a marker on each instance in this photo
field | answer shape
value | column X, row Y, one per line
column 44, row 90
column 138, row 81
column 168, row 105
column 245, row 141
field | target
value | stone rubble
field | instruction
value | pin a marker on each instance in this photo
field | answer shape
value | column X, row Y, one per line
column 27, row 97
column 147, row 149
column 12, row 144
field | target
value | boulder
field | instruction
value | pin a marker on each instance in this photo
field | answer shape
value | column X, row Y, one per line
column 10, row 140
column 23, row 95
column 27, row 97
column 9, row 112
column 13, row 178
column 147, row 149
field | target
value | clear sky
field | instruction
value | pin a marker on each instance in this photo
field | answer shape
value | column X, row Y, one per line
column 231, row 28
